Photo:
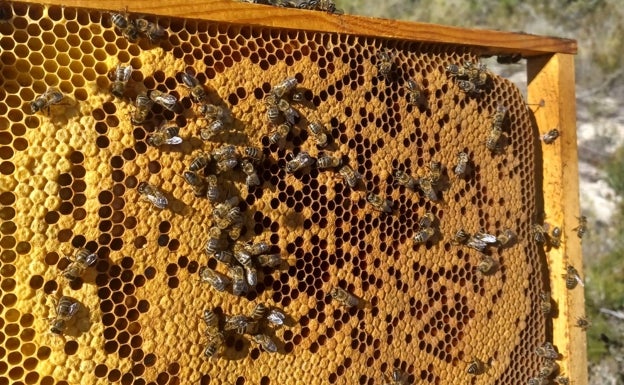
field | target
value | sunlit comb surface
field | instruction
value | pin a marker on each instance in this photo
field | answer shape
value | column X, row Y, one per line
column 69, row 180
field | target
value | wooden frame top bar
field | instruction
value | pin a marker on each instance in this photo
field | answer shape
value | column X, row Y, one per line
column 488, row 42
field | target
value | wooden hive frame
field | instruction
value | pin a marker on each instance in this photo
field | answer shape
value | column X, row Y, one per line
column 550, row 74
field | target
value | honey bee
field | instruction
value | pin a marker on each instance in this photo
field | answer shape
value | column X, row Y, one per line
column 328, row 161
column 302, row 160
column 493, row 138
column 485, row 237
column 200, row 161
column 224, row 256
column 83, row 259
column 153, row 194
column 539, row 234
column 196, row 182
column 227, row 214
column 548, row 368
column 211, row 319
column 127, row 27
column 226, row 157
column 581, row 229
column 214, row 344
column 350, row 176
column 280, row 132
column 385, row 65
column 476, row 74
column 253, row 153
column 143, row 105
column 550, row 136
column 167, row 133
column 545, row 304
column 273, row 114
column 379, row 204
column 213, row 112
column 460, row 237
column 427, row 220
column 435, row 171
column 462, row 163
column 547, row 351
column 242, row 256
column 320, row 5
column 238, row 323
column 555, row 237
column 415, row 95
column 423, row 235
column 257, row 248
column 426, row 186
column 259, row 312
column 266, row 342
column 165, row 100
column 251, row 274
column 269, row 260
column 216, row 280
column 397, row 378
column 572, row 278
column 469, row 87
column 276, row 317
column 239, row 283
column 343, row 297
column 583, row 323
column 51, row 96
column 252, row 178
column 456, row 71
column 404, row 179
column 538, row 381
column 476, row 367
column 215, row 242
column 212, row 189
column 66, row 308
column 319, row 133
column 197, row 90
column 152, row 31
column 486, row 265
column 284, row 87
column 120, row 78
column 506, row 237
column 290, row 114
column 509, row 59
column 563, row 380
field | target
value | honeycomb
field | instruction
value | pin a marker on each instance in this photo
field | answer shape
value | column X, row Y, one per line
column 69, row 180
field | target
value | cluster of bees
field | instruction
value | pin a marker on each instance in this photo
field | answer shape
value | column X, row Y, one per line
column 243, row 259
column 313, row 5
column 257, row 325
column 67, row 307
column 547, row 351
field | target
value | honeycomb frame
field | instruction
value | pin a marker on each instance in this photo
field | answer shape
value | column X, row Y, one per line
column 68, row 180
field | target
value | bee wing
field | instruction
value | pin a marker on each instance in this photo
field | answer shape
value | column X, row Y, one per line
column 169, row 99
column 276, row 317
column 90, row 259
column 127, row 71
column 579, row 280
column 485, row 237
column 73, row 309
column 157, row 200
column 174, row 140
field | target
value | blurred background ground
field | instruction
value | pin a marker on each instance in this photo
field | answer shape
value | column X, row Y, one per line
column 598, row 28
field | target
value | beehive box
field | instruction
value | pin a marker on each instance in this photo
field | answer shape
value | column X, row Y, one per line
column 69, row 180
